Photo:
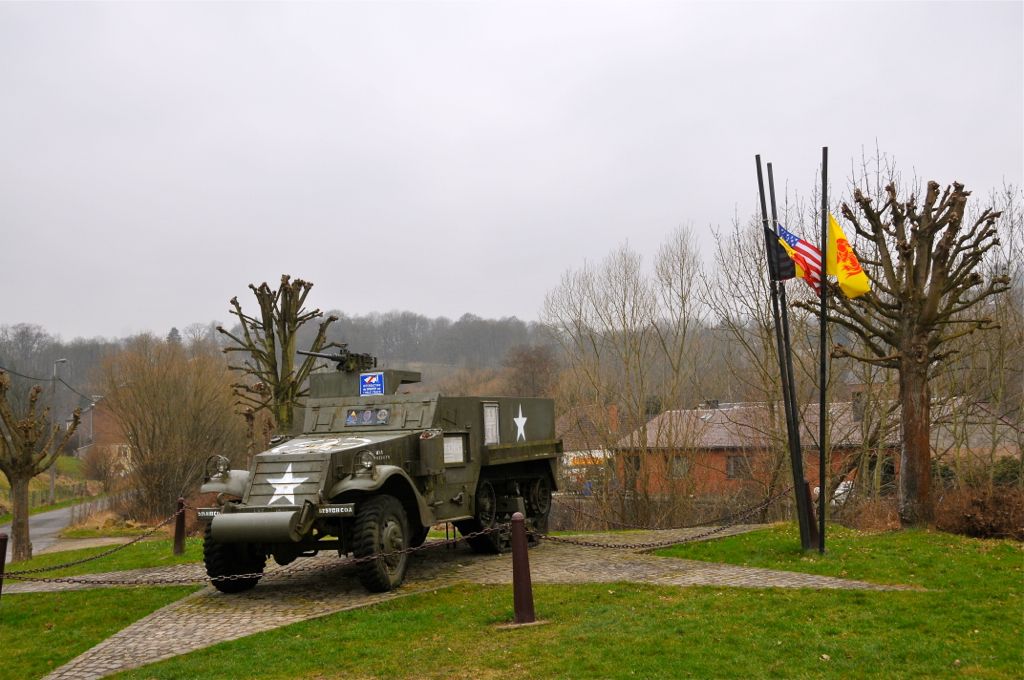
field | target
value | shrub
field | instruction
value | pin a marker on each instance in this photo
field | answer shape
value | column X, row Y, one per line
column 873, row 515
column 104, row 464
column 982, row 513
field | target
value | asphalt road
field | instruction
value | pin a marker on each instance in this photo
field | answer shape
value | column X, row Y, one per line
column 42, row 528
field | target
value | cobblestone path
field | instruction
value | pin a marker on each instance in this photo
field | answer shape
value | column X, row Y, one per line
column 208, row 616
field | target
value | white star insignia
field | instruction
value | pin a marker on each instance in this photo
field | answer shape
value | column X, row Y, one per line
column 521, row 424
column 284, row 487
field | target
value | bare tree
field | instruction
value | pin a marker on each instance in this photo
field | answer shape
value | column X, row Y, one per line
column 29, row 445
column 924, row 262
column 627, row 338
column 532, row 371
column 174, row 404
column 268, row 343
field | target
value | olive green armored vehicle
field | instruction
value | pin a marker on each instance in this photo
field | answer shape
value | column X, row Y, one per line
column 374, row 469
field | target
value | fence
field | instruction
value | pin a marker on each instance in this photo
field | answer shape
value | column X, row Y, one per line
column 724, row 524
column 38, row 499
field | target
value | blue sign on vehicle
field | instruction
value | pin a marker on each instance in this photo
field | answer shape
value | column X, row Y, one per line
column 371, row 383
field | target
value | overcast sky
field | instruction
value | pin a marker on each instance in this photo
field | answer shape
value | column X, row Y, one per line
column 448, row 158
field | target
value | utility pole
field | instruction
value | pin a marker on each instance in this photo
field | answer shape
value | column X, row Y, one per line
column 53, row 418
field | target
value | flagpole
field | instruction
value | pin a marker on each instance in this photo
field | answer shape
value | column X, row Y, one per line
column 795, row 461
column 822, row 350
column 796, row 451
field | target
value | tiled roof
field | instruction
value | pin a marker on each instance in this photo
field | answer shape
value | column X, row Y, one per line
column 961, row 424
column 743, row 425
column 588, row 428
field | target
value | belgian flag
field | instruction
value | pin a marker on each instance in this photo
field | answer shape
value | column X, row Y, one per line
column 780, row 266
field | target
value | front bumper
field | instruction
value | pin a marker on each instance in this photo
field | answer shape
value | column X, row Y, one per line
column 263, row 524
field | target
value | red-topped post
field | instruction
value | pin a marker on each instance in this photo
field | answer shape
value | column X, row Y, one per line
column 522, row 587
column 3, row 560
column 179, row 528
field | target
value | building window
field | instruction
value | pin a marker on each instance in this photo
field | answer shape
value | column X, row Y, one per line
column 738, row 467
column 678, row 466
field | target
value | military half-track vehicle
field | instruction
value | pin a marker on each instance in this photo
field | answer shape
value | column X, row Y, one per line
column 374, row 470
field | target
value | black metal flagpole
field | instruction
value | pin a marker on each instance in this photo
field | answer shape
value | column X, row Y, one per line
column 795, row 461
column 796, row 451
column 823, row 332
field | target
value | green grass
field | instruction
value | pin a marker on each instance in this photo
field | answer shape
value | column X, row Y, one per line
column 105, row 532
column 138, row 556
column 928, row 559
column 4, row 519
column 42, row 631
column 972, row 616
column 71, row 467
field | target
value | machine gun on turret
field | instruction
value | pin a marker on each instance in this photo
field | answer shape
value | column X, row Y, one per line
column 347, row 361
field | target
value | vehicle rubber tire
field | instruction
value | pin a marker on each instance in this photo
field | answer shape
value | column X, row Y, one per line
column 229, row 559
column 419, row 536
column 539, row 507
column 381, row 526
column 486, row 517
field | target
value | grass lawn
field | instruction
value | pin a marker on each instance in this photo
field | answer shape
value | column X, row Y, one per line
column 968, row 625
column 138, row 556
column 107, row 532
column 42, row 631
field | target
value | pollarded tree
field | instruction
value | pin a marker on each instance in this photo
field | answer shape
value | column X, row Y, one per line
column 269, row 343
column 28, row 447
column 924, row 262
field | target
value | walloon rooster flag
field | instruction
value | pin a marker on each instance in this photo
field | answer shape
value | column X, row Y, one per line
column 842, row 262
column 805, row 256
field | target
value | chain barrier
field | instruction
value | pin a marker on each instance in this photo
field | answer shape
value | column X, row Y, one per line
column 637, row 546
column 651, row 528
column 14, row 574
column 236, row 577
column 734, row 519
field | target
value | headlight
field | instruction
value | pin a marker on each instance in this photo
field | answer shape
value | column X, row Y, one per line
column 217, row 466
column 366, row 460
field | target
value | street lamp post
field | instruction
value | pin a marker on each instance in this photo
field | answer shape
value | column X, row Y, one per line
column 53, row 417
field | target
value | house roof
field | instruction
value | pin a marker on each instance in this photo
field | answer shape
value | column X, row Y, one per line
column 743, row 425
column 961, row 424
column 588, row 428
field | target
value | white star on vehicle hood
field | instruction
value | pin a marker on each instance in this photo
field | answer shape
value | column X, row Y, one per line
column 521, row 424
column 284, row 486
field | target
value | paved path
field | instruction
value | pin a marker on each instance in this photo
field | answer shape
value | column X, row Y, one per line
column 208, row 617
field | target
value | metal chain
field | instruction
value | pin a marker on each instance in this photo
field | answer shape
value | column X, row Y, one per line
column 650, row 528
column 255, row 575
column 12, row 574
column 19, row 575
column 661, row 544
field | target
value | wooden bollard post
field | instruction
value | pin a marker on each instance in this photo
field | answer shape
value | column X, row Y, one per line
column 522, row 587
column 811, row 520
column 179, row 528
column 3, row 560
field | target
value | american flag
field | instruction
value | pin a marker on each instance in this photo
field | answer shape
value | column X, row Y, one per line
column 806, row 256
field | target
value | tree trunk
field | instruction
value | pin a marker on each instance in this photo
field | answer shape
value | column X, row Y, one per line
column 22, row 546
column 915, row 476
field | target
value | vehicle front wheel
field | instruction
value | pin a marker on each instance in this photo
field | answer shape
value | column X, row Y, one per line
column 381, row 527
column 232, row 559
